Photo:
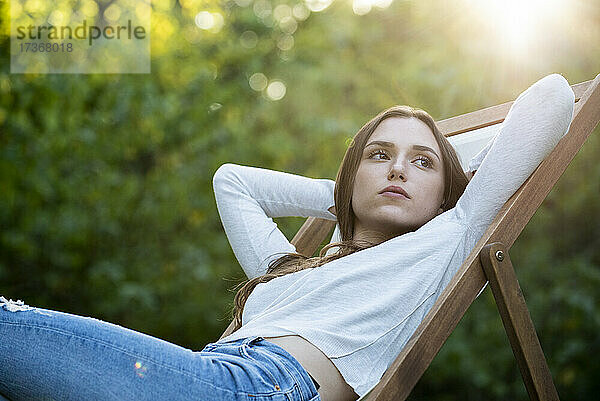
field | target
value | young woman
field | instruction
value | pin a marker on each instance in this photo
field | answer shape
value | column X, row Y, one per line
column 323, row 328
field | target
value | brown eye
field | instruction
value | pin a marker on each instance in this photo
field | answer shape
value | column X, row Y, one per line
column 377, row 152
column 425, row 162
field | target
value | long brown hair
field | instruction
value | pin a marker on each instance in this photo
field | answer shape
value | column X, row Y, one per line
column 455, row 182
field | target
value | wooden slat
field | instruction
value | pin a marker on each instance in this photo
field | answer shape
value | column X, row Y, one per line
column 312, row 233
column 228, row 330
column 517, row 323
column 400, row 378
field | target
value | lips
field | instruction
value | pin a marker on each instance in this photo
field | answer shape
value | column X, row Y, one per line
column 395, row 189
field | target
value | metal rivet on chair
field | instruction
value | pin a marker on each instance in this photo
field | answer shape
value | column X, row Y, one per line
column 500, row 255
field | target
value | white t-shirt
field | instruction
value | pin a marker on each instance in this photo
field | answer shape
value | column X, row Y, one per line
column 361, row 309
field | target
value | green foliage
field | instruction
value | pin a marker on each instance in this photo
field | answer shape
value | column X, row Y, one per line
column 106, row 202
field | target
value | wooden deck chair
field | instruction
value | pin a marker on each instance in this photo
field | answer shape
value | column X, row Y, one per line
column 489, row 259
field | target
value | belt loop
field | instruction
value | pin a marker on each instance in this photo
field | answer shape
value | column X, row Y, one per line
column 252, row 339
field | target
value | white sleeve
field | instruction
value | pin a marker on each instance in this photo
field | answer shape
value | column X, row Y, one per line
column 476, row 160
column 535, row 123
column 249, row 197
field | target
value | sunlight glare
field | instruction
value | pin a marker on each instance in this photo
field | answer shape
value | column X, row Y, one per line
column 517, row 24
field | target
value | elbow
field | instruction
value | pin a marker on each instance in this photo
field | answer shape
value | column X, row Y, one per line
column 557, row 90
column 221, row 175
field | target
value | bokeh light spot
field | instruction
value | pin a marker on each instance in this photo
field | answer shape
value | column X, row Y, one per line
column 209, row 21
column 112, row 13
column 282, row 11
column 285, row 42
column 276, row 90
column 318, row 5
column 249, row 39
column 262, row 8
column 381, row 3
column 89, row 9
column 140, row 369
column 258, row 81
column 35, row 6
column 204, row 20
column 361, row 7
column 300, row 12
column 56, row 18
column 218, row 22
column 288, row 25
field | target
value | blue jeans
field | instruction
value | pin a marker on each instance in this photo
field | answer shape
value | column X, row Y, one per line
column 50, row 355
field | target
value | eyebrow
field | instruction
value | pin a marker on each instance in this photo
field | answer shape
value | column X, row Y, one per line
column 386, row 144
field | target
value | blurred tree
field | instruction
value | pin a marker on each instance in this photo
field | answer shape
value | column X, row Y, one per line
column 106, row 202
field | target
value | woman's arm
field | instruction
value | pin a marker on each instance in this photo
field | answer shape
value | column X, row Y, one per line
column 249, row 197
column 535, row 123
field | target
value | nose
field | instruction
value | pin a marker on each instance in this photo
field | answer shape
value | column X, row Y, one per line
column 397, row 171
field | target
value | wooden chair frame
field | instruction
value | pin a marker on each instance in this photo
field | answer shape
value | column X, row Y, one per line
column 489, row 260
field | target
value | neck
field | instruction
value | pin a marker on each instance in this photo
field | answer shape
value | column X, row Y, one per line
column 372, row 236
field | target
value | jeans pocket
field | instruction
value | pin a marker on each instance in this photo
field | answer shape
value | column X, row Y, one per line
column 267, row 368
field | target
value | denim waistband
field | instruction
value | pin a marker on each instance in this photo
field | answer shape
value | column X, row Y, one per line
column 307, row 385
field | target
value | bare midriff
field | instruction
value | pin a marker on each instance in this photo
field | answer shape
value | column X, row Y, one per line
column 314, row 361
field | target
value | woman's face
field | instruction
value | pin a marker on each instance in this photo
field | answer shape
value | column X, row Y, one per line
column 410, row 158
